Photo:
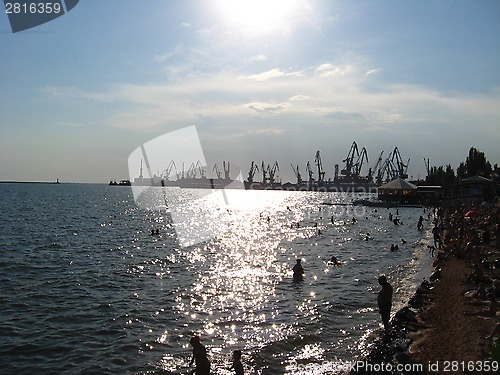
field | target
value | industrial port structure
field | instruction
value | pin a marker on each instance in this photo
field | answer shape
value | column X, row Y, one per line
column 347, row 178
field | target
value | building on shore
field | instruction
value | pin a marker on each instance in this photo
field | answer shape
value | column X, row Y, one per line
column 471, row 189
column 398, row 190
column 475, row 188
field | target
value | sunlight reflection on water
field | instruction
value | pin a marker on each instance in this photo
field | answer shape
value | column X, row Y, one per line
column 242, row 295
column 121, row 300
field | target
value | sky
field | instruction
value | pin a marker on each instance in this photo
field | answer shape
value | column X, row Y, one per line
column 262, row 80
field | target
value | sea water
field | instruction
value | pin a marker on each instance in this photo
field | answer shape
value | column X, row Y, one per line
column 85, row 288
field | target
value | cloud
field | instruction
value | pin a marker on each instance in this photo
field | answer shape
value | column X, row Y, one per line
column 267, row 107
column 372, row 72
column 224, row 98
column 270, row 74
column 327, row 70
column 258, row 58
column 273, row 73
column 296, row 98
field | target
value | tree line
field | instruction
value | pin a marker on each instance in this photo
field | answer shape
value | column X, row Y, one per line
column 475, row 164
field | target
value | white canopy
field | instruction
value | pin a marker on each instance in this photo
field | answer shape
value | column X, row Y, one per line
column 398, row 184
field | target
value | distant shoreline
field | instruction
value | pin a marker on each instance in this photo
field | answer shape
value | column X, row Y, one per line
column 29, row 182
column 50, row 182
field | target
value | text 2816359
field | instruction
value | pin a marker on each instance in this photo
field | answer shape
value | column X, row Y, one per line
column 33, row 8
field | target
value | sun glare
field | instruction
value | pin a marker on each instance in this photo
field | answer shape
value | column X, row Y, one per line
column 259, row 15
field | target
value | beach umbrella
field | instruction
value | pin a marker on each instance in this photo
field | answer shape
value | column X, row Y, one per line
column 473, row 213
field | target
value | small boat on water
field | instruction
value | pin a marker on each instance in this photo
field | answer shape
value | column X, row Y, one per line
column 121, row 183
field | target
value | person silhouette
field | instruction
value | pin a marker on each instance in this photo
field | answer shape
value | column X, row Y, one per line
column 298, row 271
column 384, row 301
column 199, row 357
column 237, row 365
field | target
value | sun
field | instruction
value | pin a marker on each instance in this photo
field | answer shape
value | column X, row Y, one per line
column 259, row 15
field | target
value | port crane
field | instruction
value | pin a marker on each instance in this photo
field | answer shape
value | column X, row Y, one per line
column 349, row 161
column 362, row 157
column 376, row 169
column 227, row 167
column 297, row 174
column 309, row 172
column 401, row 168
column 194, row 169
column 353, row 164
column 264, row 171
column 181, row 175
column 393, row 167
column 389, row 170
column 319, row 165
column 272, row 171
column 191, row 172
column 169, row 170
column 251, row 173
column 217, row 171
column 201, row 169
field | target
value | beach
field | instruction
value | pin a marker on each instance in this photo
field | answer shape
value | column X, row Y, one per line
column 450, row 335
column 447, row 324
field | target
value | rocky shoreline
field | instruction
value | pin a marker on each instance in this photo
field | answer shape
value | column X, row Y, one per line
column 392, row 348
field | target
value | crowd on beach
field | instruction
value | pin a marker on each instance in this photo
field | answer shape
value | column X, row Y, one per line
column 466, row 233
column 472, row 233
column 466, row 237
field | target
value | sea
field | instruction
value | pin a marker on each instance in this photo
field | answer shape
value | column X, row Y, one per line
column 86, row 288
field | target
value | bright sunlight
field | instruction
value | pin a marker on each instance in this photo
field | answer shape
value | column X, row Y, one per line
column 259, row 16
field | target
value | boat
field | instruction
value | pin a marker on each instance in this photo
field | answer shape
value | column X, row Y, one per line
column 121, row 183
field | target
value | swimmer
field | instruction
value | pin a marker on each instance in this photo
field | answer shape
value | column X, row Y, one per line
column 298, row 271
column 335, row 261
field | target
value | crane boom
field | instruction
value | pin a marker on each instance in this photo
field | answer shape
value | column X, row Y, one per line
column 297, row 174
column 227, row 168
column 319, row 165
column 251, row 173
column 217, row 171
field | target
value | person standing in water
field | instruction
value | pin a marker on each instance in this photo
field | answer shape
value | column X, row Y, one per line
column 199, row 357
column 237, row 365
column 298, row 271
column 420, row 224
column 384, row 301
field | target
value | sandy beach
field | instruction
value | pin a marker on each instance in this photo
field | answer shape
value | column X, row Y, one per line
column 446, row 327
column 456, row 323
column 449, row 334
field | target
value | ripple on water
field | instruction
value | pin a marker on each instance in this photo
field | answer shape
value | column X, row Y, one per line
column 88, row 289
